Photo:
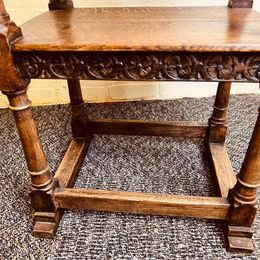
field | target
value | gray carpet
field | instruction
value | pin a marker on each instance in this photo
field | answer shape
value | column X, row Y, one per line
column 152, row 164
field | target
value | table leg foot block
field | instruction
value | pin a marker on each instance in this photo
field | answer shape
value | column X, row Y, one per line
column 240, row 239
column 44, row 229
column 46, row 223
column 240, row 245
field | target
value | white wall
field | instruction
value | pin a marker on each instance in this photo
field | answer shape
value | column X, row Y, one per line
column 55, row 92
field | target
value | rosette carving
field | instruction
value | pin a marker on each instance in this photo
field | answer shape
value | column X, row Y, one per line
column 32, row 63
column 219, row 67
column 179, row 67
column 102, row 67
column 63, row 66
column 140, row 66
column 253, row 68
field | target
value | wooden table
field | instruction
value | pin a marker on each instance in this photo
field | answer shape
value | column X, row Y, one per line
column 219, row 44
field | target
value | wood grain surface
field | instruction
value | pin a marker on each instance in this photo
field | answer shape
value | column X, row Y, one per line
column 142, row 203
column 144, row 29
column 71, row 163
column 150, row 128
column 222, row 169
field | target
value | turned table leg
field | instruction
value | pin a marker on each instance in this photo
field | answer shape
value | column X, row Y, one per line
column 41, row 180
column 218, row 120
column 79, row 117
column 244, row 197
column 221, row 168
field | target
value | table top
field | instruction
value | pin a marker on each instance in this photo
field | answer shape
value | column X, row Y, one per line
column 194, row 29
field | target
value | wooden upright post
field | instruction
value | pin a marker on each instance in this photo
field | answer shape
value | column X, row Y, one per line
column 8, row 27
column 9, row 32
column 4, row 16
column 60, row 4
column 41, row 180
column 240, row 3
column 244, row 197
column 218, row 120
column 16, row 91
column 79, row 117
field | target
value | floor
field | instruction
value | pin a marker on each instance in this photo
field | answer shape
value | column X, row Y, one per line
column 152, row 164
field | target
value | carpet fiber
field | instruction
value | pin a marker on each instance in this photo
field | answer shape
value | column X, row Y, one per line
column 152, row 164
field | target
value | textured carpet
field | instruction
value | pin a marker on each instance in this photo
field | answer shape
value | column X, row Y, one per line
column 152, row 164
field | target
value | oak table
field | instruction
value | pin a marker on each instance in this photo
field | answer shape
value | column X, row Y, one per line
column 219, row 44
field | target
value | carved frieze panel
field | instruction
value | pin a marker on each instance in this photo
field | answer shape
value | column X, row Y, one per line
column 140, row 66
